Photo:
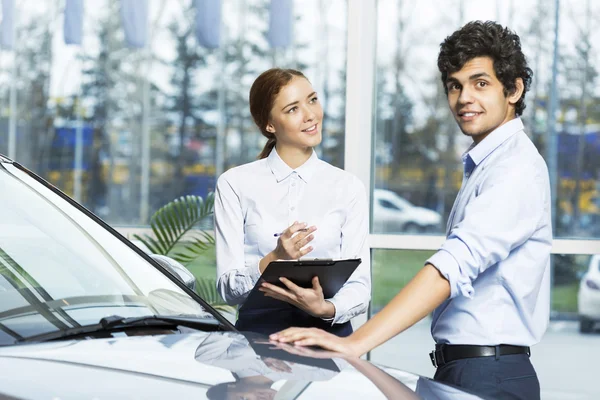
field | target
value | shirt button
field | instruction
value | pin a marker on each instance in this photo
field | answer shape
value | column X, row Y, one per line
column 292, row 208
column 293, row 184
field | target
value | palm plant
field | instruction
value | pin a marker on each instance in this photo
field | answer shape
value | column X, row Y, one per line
column 173, row 228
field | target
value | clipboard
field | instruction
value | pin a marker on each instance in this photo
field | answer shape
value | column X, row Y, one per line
column 332, row 276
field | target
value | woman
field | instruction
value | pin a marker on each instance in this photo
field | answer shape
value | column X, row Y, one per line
column 286, row 205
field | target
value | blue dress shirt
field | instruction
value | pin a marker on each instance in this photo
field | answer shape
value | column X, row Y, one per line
column 497, row 253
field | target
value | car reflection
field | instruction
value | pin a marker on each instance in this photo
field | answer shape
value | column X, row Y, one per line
column 262, row 369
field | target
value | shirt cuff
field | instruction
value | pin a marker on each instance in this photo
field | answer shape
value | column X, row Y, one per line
column 445, row 262
column 336, row 312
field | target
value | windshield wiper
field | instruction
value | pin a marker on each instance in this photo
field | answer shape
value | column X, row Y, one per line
column 115, row 323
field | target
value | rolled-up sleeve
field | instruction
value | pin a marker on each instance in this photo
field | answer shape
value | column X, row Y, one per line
column 506, row 211
column 235, row 275
column 353, row 298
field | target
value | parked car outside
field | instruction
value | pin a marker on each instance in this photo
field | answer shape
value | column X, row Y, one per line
column 394, row 214
column 85, row 314
column 588, row 298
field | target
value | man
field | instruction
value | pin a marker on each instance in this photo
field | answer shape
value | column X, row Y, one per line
column 489, row 283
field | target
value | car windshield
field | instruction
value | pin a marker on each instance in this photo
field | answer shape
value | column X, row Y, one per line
column 61, row 269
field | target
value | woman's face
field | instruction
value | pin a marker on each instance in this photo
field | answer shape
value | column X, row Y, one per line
column 296, row 115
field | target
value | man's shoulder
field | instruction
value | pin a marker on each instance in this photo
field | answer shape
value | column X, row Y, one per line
column 518, row 155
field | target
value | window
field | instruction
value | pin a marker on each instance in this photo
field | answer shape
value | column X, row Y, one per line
column 157, row 123
column 417, row 144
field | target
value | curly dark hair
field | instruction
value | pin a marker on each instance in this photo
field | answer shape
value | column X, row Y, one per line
column 487, row 39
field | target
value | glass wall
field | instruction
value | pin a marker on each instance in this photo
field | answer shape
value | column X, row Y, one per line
column 417, row 144
column 176, row 112
column 393, row 269
column 101, row 99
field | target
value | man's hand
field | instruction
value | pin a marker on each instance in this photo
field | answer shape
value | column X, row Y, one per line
column 310, row 300
column 317, row 337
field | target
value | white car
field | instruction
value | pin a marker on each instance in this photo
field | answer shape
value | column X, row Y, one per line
column 393, row 214
column 589, row 296
column 86, row 314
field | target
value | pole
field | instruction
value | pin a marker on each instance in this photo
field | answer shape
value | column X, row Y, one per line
column 582, row 121
column 146, row 140
column 220, row 139
column 12, row 121
column 551, row 149
column 77, row 172
column 145, row 178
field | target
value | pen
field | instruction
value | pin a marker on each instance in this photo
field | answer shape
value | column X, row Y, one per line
column 299, row 230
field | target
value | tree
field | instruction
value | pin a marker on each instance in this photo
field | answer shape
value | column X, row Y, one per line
column 111, row 93
column 183, row 106
column 33, row 60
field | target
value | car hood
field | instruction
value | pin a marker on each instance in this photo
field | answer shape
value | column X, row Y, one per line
column 195, row 365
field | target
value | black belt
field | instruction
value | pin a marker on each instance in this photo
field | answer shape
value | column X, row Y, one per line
column 444, row 353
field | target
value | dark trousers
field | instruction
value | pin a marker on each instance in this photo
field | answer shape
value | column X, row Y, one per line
column 503, row 377
column 268, row 321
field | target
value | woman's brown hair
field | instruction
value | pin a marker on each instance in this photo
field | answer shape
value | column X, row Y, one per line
column 263, row 92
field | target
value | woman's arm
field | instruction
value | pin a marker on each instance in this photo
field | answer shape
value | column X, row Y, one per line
column 236, row 275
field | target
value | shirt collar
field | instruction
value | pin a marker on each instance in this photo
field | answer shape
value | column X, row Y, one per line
column 281, row 170
column 479, row 152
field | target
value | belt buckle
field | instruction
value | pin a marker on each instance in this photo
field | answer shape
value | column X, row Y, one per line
column 434, row 359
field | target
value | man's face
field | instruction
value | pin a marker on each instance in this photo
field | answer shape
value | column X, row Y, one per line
column 476, row 98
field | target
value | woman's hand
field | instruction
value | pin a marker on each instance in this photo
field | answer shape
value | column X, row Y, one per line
column 310, row 300
column 317, row 337
column 305, row 351
column 292, row 243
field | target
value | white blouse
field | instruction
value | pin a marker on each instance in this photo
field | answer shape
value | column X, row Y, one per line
column 256, row 200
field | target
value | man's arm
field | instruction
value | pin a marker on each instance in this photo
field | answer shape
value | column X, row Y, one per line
column 427, row 290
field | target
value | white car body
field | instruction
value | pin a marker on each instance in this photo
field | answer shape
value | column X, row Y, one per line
column 86, row 314
column 589, row 296
column 393, row 214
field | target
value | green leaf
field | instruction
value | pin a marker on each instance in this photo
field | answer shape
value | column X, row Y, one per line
column 150, row 243
column 172, row 221
column 207, row 288
column 161, row 237
column 170, row 224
